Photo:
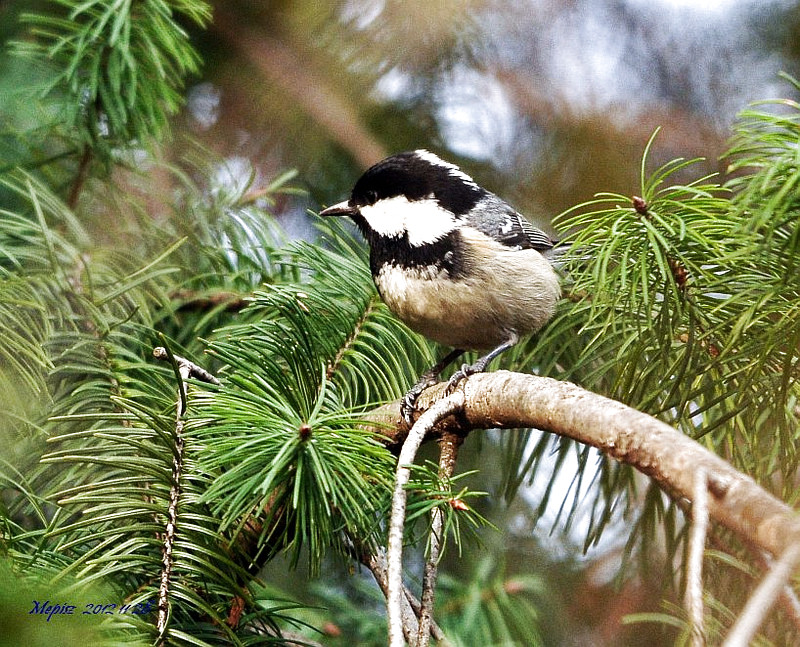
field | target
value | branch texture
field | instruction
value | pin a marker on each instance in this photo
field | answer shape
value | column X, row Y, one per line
column 504, row 399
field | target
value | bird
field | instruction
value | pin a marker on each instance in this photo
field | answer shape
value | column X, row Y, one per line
column 452, row 260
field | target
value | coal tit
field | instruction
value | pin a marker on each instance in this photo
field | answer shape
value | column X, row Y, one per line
column 450, row 259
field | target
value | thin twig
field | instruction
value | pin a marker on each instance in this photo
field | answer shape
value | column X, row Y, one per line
column 762, row 599
column 172, row 509
column 429, row 577
column 441, row 409
column 184, row 369
column 195, row 371
column 80, row 177
column 377, row 566
column 694, row 568
column 333, row 366
column 448, row 452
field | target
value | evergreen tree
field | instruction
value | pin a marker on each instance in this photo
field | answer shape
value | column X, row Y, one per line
column 189, row 398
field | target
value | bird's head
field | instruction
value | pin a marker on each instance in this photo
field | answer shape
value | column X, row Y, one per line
column 414, row 194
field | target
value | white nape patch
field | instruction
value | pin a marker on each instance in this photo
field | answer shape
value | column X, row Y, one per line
column 424, row 220
column 452, row 168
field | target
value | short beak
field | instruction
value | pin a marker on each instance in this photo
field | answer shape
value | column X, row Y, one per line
column 340, row 209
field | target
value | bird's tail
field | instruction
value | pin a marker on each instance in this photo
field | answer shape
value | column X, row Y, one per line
column 555, row 254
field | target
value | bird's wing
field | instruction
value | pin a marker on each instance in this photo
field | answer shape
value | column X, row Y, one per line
column 498, row 220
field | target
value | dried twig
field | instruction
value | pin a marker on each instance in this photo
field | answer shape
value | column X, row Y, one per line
column 441, row 409
column 694, row 567
column 193, row 370
column 182, row 374
column 448, row 452
column 184, row 369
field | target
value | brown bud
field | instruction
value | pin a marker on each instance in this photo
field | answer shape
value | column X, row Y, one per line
column 639, row 205
column 679, row 273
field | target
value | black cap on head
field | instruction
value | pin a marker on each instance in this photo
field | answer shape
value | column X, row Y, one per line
column 417, row 175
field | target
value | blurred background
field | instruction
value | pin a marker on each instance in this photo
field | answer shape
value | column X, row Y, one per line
column 545, row 102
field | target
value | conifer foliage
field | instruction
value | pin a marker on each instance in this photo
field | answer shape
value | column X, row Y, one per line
column 167, row 490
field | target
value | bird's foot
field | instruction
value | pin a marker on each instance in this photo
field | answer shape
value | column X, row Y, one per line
column 460, row 375
column 408, row 405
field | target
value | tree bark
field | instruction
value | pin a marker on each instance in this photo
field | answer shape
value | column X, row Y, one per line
column 503, row 399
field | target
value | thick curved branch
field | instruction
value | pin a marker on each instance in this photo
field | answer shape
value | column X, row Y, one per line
column 503, row 399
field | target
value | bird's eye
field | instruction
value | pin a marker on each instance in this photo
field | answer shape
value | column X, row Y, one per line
column 371, row 197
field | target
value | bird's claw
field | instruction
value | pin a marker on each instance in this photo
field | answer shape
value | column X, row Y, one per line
column 456, row 378
column 408, row 405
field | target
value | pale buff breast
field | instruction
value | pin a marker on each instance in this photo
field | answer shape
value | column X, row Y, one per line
column 507, row 290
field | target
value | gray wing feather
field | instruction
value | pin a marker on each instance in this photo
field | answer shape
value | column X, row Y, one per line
column 498, row 220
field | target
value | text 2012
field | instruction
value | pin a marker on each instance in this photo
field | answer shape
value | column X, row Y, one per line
column 50, row 610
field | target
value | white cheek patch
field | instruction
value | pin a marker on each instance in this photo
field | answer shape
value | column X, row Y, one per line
column 424, row 220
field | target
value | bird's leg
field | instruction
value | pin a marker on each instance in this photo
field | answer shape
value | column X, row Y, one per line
column 481, row 363
column 428, row 378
